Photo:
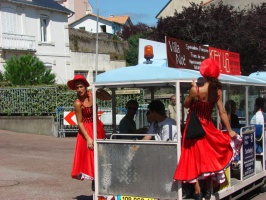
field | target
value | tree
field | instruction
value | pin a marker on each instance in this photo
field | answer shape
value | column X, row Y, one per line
column 221, row 26
column 27, row 70
column 132, row 52
column 139, row 28
column 132, row 34
column 1, row 77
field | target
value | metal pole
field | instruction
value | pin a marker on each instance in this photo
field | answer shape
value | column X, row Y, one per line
column 97, row 36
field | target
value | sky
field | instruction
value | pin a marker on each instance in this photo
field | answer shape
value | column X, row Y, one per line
column 143, row 11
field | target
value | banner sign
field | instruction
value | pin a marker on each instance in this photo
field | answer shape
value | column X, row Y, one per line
column 182, row 54
column 229, row 62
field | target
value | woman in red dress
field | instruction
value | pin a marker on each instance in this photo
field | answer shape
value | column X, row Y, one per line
column 83, row 164
column 209, row 156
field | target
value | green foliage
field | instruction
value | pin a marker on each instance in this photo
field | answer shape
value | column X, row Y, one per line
column 1, row 76
column 132, row 52
column 27, row 70
column 35, row 100
column 132, row 30
column 47, row 100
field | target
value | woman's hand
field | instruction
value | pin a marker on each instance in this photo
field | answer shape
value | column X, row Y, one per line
column 193, row 83
column 90, row 143
column 232, row 134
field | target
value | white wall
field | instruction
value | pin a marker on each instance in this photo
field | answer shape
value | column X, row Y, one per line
column 87, row 62
column 90, row 24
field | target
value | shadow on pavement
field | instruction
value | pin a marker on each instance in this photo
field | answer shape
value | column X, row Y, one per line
column 84, row 197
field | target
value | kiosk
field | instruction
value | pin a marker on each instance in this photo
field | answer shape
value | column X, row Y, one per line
column 138, row 169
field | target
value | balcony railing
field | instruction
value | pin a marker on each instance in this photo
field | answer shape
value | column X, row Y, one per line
column 17, row 42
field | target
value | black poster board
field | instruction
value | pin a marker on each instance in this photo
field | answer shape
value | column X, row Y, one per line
column 248, row 154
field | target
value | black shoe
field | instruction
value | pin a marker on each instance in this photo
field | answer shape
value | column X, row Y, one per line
column 93, row 186
column 208, row 194
column 197, row 196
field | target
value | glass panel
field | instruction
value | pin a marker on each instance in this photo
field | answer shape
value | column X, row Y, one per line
column 254, row 106
column 235, row 106
column 44, row 25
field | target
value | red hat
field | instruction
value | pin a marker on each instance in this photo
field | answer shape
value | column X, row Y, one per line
column 78, row 77
column 209, row 68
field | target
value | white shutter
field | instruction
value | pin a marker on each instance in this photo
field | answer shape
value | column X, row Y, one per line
column 10, row 24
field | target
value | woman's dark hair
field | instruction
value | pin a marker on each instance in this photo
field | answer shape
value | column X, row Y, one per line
column 214, row 86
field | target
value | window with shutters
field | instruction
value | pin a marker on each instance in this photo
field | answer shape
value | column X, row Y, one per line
column 44, row 27
column 81, row 72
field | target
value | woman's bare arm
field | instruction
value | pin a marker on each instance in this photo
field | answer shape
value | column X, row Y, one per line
column 190, row 98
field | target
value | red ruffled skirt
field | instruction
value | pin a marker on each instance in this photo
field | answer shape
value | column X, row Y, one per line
column 205, row 157
column 83, row 164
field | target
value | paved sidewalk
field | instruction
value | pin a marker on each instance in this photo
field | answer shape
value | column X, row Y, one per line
column 38, row 167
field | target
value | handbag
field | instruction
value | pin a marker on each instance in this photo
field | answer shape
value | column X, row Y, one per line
column 194, row 128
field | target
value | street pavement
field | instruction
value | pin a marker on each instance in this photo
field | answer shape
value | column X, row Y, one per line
column 38, row 167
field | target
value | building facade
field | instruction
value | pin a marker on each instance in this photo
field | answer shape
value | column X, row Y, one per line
column 177, row 5
column 79, row 7
column 37, row 27
column 111, row 25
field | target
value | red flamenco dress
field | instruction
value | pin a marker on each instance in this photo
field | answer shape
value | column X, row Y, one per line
column 208, row 156
column 83, row 164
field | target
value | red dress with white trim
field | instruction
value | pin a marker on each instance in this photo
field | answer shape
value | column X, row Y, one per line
column 206, row 156
column 83, row 164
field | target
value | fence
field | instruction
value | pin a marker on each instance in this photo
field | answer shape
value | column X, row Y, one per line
column 45, row 100
column 55, row 100
column 66, row 120
column 28, row 101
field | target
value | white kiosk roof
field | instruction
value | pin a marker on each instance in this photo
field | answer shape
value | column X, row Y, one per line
column 159, row 71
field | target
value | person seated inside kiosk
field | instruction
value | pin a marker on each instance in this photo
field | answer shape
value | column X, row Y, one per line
column 258, row 117
column 163, row 126
column 127, row 124
column 258, row 120
column 230, row 107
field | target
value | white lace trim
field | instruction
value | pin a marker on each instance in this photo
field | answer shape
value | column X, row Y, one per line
column 218, row 176
column 82, row 176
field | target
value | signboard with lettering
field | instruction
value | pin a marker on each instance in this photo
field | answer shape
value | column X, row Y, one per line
column 229, row 62
column 181, row 54
column 248, row 150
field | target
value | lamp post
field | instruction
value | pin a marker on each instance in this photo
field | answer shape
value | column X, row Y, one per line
column 97, row 37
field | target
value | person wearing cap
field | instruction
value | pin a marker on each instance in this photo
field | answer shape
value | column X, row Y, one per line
column 83, row 164
column 208, row 156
